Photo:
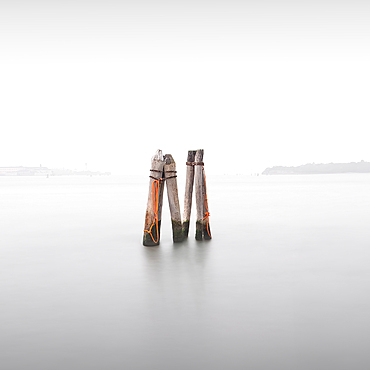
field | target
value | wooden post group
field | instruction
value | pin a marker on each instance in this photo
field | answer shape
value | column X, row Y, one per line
column 163, row 170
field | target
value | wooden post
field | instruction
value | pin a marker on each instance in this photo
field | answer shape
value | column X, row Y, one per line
column 206, row 225
column 188, row 191
column 199, row 195
column 154, row 206
column 161, row 191
column 173, row 197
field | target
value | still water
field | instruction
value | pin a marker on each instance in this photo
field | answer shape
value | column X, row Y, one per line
column 283, row 284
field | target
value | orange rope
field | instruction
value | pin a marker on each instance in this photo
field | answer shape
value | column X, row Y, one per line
column 155, row 204
column 206, row 204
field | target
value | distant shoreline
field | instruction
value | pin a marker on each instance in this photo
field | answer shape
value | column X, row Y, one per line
column 44, row 171
column 321, row 168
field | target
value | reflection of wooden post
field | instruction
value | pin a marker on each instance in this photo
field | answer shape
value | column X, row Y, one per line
column 206, row 225
column 188, row 191
column 154, row 206
column 173, row 197
column 199, row 196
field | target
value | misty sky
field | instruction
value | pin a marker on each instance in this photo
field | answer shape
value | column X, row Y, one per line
column 254, row 83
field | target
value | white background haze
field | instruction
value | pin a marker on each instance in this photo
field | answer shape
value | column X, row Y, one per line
column 254, row 83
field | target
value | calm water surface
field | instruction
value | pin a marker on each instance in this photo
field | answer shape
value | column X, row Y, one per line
column 283, row 284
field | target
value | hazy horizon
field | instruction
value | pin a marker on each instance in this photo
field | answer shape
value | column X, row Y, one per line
column 256, row 84
column 180, row 168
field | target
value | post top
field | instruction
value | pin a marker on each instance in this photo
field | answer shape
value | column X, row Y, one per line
column 168, row 159
column 158, row 155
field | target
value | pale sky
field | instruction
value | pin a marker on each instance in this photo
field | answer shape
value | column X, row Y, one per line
column 253, row 83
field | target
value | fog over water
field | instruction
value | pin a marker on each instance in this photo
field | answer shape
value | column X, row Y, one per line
column 283, row 284
column 100, row 86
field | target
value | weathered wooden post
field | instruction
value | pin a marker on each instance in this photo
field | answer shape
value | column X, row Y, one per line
column 155, row 199
column 199, row 195
column 206, row 225
column 173, row 197
column 188, row 191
